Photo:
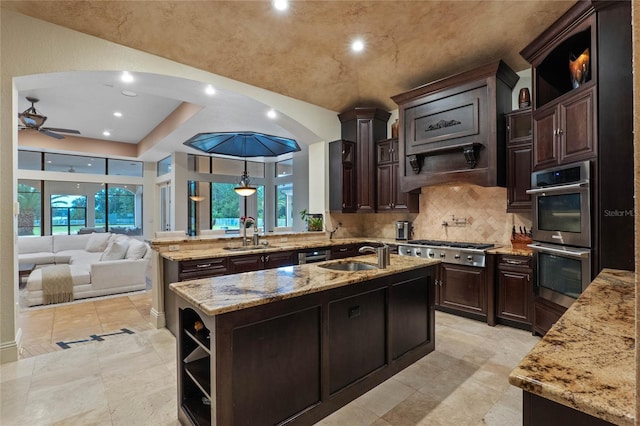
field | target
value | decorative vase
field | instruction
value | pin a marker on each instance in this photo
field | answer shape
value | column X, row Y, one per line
column 524, row 98
column 579, row 69
column 394, row 128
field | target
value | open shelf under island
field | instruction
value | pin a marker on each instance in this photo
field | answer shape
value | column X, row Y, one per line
column 293, row 344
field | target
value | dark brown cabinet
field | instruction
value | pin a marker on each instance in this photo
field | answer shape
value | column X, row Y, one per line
column 342, row 176
column 565, row 132
column 389, row 194
column 463, row 290
column 255, row 262
column 519, row 146
column 515, row 291
column 364, row 126
column 545, row 314
column 592, row 119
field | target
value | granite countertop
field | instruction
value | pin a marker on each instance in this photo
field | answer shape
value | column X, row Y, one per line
column 229, row 293
column 587, row 360
column 197, row 253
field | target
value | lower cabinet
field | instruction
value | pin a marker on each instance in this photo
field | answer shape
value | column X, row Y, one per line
column 545, row 314
column 463, row 290
column 255, row 262
column 539, row 411
column 295, row 361
column 514, row 291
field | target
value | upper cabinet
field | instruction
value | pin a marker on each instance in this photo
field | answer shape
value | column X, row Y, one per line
column 389, row 196
column 365, row 126
column 519, row 145
column 565, row 76
column 342, row 176
column 453, row 130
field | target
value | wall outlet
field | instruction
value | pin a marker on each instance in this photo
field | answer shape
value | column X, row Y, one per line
column 174, row 247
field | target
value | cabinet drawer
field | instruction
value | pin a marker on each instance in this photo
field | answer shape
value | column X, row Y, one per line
column 523, row 262
column 203, row 268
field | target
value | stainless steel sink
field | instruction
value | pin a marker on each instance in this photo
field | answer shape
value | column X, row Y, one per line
column 349, row 266
column 249, row 248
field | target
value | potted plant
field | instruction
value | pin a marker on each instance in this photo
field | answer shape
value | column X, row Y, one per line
column 314, row 221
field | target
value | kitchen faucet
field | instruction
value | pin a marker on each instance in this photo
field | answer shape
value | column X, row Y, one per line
column 383, row 253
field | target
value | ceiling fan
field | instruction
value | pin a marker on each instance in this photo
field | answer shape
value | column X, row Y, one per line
column 32, row 119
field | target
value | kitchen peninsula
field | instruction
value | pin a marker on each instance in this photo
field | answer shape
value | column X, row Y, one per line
column 583, row 370
column 293, row 344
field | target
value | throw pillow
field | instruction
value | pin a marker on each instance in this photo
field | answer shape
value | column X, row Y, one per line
column 116, row 250
column 137, row 249
column 97, row 242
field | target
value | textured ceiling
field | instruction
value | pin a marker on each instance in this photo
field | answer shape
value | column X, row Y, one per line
column 304, row 53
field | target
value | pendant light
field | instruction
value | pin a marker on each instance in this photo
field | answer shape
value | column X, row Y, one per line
column 244, row 187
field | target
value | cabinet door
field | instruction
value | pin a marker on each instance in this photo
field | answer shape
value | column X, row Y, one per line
column 238, row 264
column 401, row 200
column 384, row 151
column 409, row 316
column 365, row 164
column 515, row 294
column 278, row 259
column 577, row 131
column 518, row 178
column 385, row 186
column 545, row 127
column 357, row 338
column 463, row 288
column 349, row 195
column 545, row 314
column 340, row 252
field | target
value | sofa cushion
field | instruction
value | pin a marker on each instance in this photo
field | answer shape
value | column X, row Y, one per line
column 69, row 242
column 97, row 242
column 79, row 273
column 137, row 249
column 43, row 258
column 35, row 244
column 116, row 250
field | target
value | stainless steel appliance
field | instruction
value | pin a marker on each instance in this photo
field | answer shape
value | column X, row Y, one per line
column 460, row 253
column 312, row 256
column 561, row 205
column 403, row 230
column 561, row 273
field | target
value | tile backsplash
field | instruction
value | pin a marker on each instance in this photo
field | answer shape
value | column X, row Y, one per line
column 484, row 209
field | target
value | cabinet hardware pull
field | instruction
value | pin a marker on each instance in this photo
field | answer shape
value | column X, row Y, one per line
column 203, row 265
column 262, row 259
column 342, row 250
column 514, row 262
column 267, row 259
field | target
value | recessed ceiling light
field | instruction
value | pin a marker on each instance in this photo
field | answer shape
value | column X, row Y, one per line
column 357, row 45
column 117, row 114
column 272, row 114
column 210, row 90
column 281, row 5
column 106, row 133
column 129, row 93
column 89, row 164
column 126, row 77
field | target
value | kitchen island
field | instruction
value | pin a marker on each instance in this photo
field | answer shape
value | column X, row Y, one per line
column 293, row 344
column 583, row 370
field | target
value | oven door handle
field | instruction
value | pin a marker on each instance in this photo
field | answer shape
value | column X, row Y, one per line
column 580, row 254
column 558, row 188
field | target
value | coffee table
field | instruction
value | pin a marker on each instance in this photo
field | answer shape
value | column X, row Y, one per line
column 24, row 270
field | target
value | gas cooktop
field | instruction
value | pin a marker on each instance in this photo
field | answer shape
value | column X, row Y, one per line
column 452, row 244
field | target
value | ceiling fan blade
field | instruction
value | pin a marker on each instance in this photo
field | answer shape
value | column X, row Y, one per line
column 53, row 135
column 55, row 129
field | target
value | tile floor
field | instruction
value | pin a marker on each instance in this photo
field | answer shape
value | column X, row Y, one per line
column 130, row 379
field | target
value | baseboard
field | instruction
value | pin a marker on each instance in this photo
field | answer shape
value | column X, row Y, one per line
column 9, row 350
column 158, row 319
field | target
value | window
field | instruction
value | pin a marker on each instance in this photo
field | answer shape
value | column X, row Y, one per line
column 164, row 166
column 125, row 167
column 74, row 164
column 121, row 210
column 198, row 163
column 284, row 168
column 28, row 160
column 68, row 213
column 260, row 206
column 225, row 206
column 284, row 205
column 30, row 200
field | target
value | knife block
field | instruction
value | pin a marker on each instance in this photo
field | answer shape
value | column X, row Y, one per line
column 520, row 241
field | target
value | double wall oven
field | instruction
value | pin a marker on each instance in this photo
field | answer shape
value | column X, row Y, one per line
column 561, row 231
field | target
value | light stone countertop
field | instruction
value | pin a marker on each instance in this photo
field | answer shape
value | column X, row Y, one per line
column 510, row 251
column 229, row 293
column 587, row 360
column 196, row 253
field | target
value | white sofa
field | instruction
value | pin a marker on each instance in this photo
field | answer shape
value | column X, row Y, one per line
column 100, row 263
